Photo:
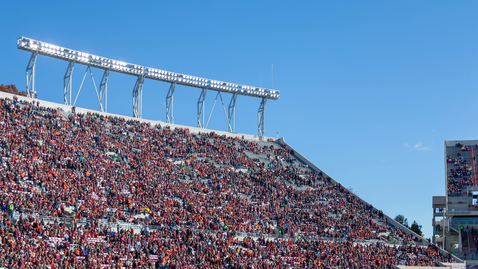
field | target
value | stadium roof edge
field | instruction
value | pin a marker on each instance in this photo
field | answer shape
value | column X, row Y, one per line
column 450, row 143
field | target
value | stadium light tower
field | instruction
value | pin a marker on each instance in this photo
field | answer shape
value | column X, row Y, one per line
column 141, row 73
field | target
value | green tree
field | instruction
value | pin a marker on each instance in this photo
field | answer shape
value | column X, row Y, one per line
column 416, row 228
column 402, row 220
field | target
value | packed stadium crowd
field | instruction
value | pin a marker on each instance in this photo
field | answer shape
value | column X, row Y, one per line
column 203, row 200
column 460, row 172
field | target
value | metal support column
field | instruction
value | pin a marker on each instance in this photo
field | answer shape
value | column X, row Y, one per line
column 231, row 113
column 31, row 93
column 137, row 97
column 169, row 103
column 261, row 117
column 200, row 108
column 104, row 91
column 67, row 82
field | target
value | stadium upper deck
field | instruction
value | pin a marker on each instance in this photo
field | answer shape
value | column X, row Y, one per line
column 201, row 199
column 459, row 206
column 461, row 176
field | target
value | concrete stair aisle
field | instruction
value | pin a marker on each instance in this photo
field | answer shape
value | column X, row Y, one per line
column 471, row 243
column 465, row 245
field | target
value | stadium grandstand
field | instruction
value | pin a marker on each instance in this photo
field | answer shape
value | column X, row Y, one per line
column 87, row 189
column 455, row 215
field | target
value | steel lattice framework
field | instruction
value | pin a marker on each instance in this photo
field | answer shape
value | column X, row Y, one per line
column 141, row 72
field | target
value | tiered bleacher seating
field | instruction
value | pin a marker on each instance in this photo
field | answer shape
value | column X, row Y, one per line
column 461, row 168
column 69, row 180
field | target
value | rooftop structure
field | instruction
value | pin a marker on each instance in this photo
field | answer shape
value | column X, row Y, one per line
column 141, row 72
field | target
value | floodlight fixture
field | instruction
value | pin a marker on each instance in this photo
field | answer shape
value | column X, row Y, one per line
column 142, row 72
column 62, row 53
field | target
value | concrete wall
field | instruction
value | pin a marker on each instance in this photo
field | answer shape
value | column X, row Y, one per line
column 194, row 130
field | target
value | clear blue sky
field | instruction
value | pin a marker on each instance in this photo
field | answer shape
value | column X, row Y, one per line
column 369, row 89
